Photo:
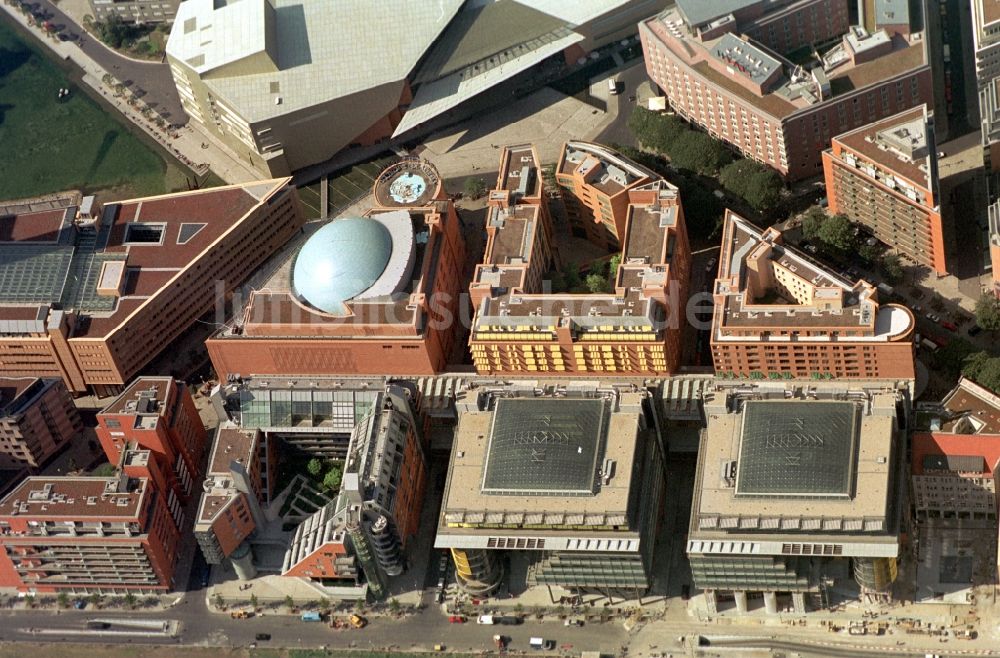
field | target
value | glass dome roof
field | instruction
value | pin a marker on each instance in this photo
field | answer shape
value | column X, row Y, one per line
column 340, row 261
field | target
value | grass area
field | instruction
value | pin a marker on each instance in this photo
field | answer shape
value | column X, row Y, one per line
column 51, row 145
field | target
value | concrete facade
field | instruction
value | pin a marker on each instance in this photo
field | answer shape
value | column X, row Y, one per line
column 136, row 11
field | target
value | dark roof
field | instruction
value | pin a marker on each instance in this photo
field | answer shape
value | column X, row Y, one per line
column 545, row 447
column 797, row 448
column 955, row 463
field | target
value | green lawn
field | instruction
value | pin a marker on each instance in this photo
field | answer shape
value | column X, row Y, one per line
column 51, row 145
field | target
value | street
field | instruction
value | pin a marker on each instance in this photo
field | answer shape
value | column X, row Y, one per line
column 151, row 77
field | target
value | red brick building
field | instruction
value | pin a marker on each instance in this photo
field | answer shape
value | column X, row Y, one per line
column 87, row 534
column 91, row 301
column 37, row 419
column 779, row 314
column 157, row 414
column 520, row 328
column 742, row 90
column 376, row 294
column 885, row 176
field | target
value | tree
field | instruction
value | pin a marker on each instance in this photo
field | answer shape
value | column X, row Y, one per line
column 95, row 600
column 63, row 600
column 892, row 268
column 104, row 470
column 655, row 131
column 219, row 601
column 253, row 601
column 315, row 467
column 988, row 312
column 596, row 283
column 331, row 481
column 756, row 184
column 474, row 187
column 869, row 253
column 984, row 370
column 394, row 606
column 698, row 152
column 130, row 600
column 324, row 605
column 951, row 359
column 812, row 220
column 289, row 603
column 837, row 232
column 114, row 31
column 359, row 605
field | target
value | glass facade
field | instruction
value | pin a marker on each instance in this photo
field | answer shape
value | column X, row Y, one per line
column 737, row 572
column 603, row 571
column 278, row 408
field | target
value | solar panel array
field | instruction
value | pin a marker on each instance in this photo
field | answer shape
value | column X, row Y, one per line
column 545, row 447
column 798, row 448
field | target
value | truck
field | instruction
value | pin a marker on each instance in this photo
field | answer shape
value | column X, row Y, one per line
column 929, row 344
column 613, row 86
column 311, row 615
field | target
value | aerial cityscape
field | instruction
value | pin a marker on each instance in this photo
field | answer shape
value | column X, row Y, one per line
column 571, row 328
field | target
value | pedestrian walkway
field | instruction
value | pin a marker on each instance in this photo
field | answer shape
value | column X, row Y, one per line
column 186, row 144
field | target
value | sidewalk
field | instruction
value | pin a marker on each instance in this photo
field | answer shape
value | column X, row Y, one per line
column 187, row 145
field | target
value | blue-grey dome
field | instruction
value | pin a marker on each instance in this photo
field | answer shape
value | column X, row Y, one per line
column 340, row 261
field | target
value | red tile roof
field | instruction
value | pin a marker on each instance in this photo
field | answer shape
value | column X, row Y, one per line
column 932, row 443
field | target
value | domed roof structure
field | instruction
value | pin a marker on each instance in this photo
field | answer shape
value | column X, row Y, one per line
column 340, row 261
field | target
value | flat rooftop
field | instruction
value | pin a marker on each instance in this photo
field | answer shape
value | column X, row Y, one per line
column 10, row 389
column 603, row 168
column 972, row 409
column 802, row 453
column 898, row 143
column 151, row 240
column 519, row 171
column 145, row 395
column 77, row 498
column 797, row 449
column 536, row 461
column 231, row 444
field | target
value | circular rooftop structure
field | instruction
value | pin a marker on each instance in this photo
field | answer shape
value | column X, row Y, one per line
column 354, row 258
column 407, row 184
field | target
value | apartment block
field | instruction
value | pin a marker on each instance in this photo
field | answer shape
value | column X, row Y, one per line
column 562, row 482
column 370, row 295
column 87, row 534
column 779, row 314
column 523, row 328
column 157, row 414
column 885, row 176
column 37, row 420
column 796, row 498
column 726, row 71
column 594, row 182
column 230, row 508
column 93, row 299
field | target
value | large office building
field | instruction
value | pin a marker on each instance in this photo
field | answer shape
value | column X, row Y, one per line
column 885, row 176
column 523, row 328
column 986, row 55
column 567, row 480
column 594, row 183
column 89, row 534
column 37, row 420
column 92, row 299
column 723, row 66
column 279, row 81
column 368, row 527
column 370, row 295
column 779, row 314
column 794, row 495
column 158, row 414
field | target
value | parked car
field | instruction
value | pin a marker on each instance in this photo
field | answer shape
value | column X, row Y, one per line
column 950, row 326
column 79, row 604
column 485, row 619
column 573, row 622
column 930, row 316
column 974, row 330
column 456, row 619
column 262, row 637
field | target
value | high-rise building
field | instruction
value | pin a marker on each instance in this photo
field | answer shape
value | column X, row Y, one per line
column 37, row 419
column 779, row 314
column 523, row 327
column 795, row 494
column 92, row 299
column 93, row 534
column 594, row 184
column 367, row 528
column 986, row 54
column 723, row 66
column 566, row 482
column 885, row 176
column 280, row 87
column 230, row 509
column 157, row 414
column 370, row 295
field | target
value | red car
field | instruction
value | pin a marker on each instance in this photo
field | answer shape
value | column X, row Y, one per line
column 456, row 619
column 950, row 326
